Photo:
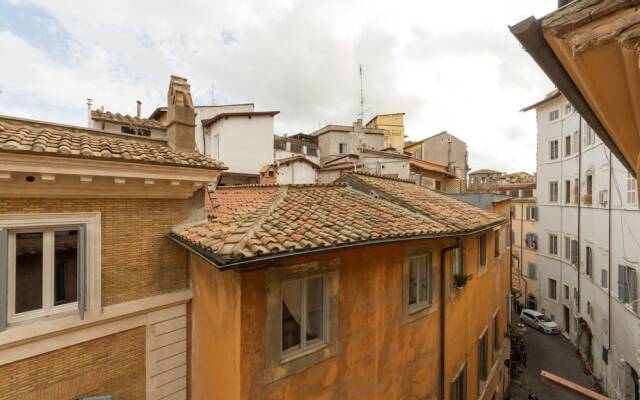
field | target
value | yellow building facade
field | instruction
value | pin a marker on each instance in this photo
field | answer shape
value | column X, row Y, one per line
column 393, row 125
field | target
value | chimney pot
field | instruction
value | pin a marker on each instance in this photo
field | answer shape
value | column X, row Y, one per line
column 181, row 116
column 138, row 108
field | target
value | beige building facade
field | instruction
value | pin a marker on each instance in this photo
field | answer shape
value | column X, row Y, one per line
column 93, row 295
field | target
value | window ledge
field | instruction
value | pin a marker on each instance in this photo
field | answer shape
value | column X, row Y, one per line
column 37, row 329
column 412, row 316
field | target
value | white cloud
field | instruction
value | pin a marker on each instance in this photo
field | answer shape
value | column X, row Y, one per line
column 449, row 66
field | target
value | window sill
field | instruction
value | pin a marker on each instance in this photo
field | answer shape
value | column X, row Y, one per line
column 416, row 314
column 303, row 354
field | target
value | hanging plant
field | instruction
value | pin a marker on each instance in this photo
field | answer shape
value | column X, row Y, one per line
column 461, row 280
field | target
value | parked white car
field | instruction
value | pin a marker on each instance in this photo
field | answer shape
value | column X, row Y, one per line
column 539, row 321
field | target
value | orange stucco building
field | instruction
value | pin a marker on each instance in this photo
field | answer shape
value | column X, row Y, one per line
column 354, row 290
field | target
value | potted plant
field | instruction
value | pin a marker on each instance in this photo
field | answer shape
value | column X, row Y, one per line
column 461, row 280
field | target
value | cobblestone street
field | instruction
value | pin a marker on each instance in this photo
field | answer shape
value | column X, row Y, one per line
column 551, row 353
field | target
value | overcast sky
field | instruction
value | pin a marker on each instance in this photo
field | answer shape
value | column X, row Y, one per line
column 448, row 65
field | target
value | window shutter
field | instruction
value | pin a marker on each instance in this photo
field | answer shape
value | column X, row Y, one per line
column 535, row 213
column 82, row 271
column 4, row 267
column 574, row 252
column 622, row 287
column 633, row 288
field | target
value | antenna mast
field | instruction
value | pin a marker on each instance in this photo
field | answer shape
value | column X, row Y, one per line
column 361, row 95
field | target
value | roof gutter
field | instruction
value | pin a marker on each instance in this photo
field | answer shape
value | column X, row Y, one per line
column 529, row 34
column 223, row 264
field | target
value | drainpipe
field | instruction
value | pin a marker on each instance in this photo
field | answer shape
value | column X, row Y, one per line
column 580, row 203
column 443, row 286
column 521, row 262
column 609, row 266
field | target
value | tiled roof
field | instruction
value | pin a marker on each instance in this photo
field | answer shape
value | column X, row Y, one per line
column 457, row 215
column 23, row 136
column 126, row 119
column 429, row 166
column 254, row 221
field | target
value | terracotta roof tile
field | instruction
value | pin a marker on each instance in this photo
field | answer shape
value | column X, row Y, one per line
column 52, row 139
column 440, row 207
column 126, row 119
column 258, row 220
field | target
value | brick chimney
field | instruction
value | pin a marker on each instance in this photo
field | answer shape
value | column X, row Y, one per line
column 181, row 117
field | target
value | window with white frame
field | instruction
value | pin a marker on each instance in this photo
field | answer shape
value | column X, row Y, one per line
column 532, row 213
column 420, row 282
column 568, row 109
column 567, row 146
column 304, row 304
column 44, row 257
column 554, row 115
column 632, row 190
column 567, row 191
column 553, row 244
column 553, row 192
column 343, row 148
column 553, row 150
column 531, row 241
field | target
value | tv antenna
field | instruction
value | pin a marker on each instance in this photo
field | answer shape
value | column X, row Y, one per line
column 361, row 94
column 212, row 94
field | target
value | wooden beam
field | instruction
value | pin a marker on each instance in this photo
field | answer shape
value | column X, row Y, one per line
column 573, row 386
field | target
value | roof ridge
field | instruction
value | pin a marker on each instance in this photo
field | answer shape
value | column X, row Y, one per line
column 389, row 178
column 265, row 212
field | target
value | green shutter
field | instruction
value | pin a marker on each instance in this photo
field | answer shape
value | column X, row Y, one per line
column 82, row 268
column 4, row 269
column 622, row 286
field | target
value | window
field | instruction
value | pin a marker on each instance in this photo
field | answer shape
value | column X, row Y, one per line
column 420, row 282
column 567, row 145
column 568, row 109
column 496, row 242
column 303, row 305
column 532, row 213
column 567, row 248
column 459, row 385
column 589, row 135
column 482, row 249
column 575, row 249
column 590, row 309
column 342, row 148
column 552, row 289
column 418, row 154
column 589, row 261
column 532, row 271
column 46, row 270
column 567, row 191
column 604, row 278
column 553, row 244
column 588, row 195
column 302, row 316
column 565, row 291
column 554, row 115
column 458, row 262
column 531, row 241
column 483, row 361
column 553, row 150
column 632, row 190
column 553, row 192
column 628, row 286
column 576, row 191
column 603, row 198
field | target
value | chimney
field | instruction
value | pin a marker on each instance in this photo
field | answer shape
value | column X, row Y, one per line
column 181, row 117
column 138, row 108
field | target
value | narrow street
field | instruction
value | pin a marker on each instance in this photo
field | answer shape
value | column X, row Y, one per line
column 551, row 353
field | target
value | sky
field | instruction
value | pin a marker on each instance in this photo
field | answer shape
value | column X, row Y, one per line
column 450, row 66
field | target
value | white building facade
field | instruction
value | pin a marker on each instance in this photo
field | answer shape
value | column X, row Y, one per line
column 589, row 246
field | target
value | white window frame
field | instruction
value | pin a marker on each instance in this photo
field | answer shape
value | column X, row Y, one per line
column 93, row 252
column 632, row 190
column 554, row 150
column 553, row 115
column 346, row 148
column 549, row 289
column 428, row 302
column 567, row 145
column 535, row 271
column 306, row 347
column 554, row 198
column 553, row 236
column 48, row 248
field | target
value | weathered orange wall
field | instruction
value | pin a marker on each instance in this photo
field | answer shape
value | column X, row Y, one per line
column 380, row 356
column 215, row 332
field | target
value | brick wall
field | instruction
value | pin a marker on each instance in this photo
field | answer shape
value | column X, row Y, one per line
column 137, row 259
column 110, row 365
